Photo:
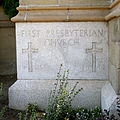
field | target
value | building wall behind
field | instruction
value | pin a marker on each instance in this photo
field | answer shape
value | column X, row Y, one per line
column 7, row 45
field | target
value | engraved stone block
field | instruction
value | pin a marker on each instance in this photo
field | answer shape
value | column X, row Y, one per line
column 80, row 47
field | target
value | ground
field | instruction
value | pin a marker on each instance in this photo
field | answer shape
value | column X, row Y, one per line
column 7, row 81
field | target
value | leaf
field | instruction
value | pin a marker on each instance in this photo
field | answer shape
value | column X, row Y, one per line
column 9, row 7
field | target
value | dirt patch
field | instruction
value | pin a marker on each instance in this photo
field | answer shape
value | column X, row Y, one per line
column 7, row 81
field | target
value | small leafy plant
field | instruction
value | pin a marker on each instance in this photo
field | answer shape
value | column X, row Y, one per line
column 60, row 100
column 86, row 114
column 3, row 110
column 31, row 113
column 91, row 114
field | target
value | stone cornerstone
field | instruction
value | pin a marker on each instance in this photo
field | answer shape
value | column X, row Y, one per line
column 84, row 36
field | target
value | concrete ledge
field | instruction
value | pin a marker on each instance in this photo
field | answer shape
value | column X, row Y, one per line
column 23, row 92
column 60, row 14
column 108, row 96
column 64, row 2
column 62, row 11
column 115, row 3
column 115, row 13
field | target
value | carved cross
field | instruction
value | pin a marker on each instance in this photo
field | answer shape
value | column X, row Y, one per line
column 30, row 51
column 94, row 50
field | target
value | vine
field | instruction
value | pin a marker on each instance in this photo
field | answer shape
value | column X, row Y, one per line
column 9, row 7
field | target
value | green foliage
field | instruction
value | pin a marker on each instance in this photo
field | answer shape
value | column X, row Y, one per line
column 31, row 113
column 1, row 87
column 59, row 102
column 9, row 7
column 86, row 114
column 32, row 108
column 20, row 116
column 108, row 116
column 3, row 110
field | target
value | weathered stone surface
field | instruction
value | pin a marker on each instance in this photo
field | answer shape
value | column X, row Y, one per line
column 114, row 4
column 108, row 96
column 60, row 14
column 116, row 30
column 114, row 10
column 114, row 45
column 114, row 54
column 64, row 2
column 84, row 2
column 114, row 77
column 80, row 47
column 24, row 92
column 38, row 2
column 101, row 10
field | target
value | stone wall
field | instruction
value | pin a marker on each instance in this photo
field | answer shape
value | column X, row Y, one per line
column 114, row 53
column 7, row 45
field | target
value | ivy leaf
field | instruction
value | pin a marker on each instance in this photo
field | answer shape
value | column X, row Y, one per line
column 9, row 7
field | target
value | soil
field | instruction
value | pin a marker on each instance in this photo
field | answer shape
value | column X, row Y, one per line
column 7, row 81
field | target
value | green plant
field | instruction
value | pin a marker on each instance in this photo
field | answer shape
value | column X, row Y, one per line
column 1, row 87
column 3, row 110
column 87, row 114
column 60, row 100
column 20, row 116
column 107, row 116
column 9, row 7
column 31, row 113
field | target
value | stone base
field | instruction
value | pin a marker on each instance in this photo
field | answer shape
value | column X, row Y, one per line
column 108, row 96
column 23, row 92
